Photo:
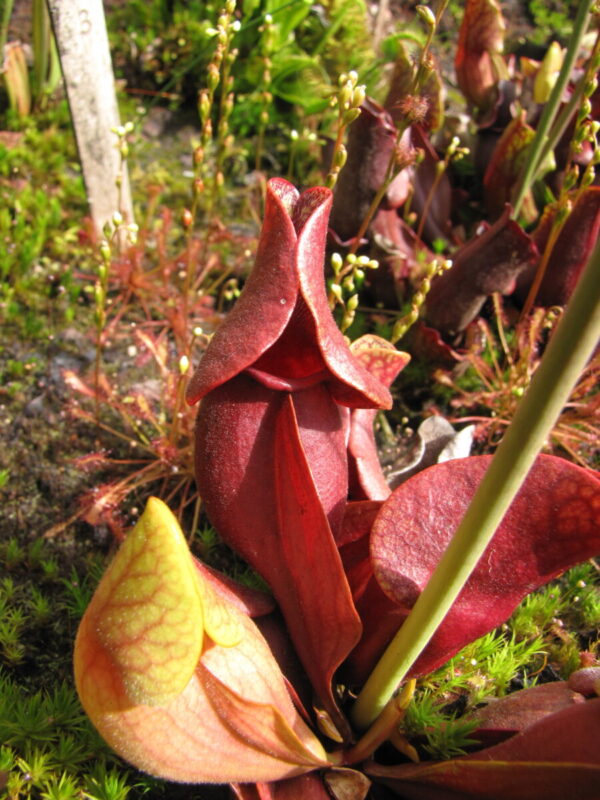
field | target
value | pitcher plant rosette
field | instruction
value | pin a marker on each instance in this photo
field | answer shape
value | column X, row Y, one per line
column 193, row 678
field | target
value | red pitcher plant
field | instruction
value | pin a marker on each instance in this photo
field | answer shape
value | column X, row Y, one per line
column 194, row 678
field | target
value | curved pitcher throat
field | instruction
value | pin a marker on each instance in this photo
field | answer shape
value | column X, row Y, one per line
column 279, row 384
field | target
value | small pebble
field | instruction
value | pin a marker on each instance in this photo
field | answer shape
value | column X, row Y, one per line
column 586, row 681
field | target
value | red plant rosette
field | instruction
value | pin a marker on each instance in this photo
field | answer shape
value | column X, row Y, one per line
column 170, row 665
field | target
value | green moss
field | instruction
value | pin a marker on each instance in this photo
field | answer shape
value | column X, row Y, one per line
column 543, row 639
column 445, row 735
column 552, row 19
column 50, row 749
column 42, row 206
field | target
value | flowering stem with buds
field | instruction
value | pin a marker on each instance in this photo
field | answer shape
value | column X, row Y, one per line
column 349, row 99
column 218, row 73
column 349, row 273
column 563, row 119
column 453, row 153
column 420, row 76
column 100, row 293
column 402, row 325
column 431, row 21
column 266, row 98
column 586, row 130
column 116, row 234
column 537, row 147
column 122, row 131
column 182, row 380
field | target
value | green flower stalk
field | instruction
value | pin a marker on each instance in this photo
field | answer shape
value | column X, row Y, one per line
column 349, row 99
column 538, row 146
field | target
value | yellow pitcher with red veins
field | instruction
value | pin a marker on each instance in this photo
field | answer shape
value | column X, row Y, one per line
column 176, row 678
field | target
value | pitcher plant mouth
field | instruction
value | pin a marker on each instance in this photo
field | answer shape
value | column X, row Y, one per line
column 281, row 384
column 282, row 319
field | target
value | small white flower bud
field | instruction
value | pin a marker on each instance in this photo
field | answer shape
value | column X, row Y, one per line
column 184, row 365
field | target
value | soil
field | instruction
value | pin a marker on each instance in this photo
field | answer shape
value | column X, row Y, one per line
column 38, row 441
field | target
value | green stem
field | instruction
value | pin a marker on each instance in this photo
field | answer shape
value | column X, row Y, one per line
column 4, row 23
column 417, row 84
column 441, row 167
column 41, row 46
column 563, row 119
column 538, row 144
column 389, row 176
column 566, row 356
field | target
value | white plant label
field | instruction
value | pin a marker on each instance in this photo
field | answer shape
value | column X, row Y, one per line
column 80, row 30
